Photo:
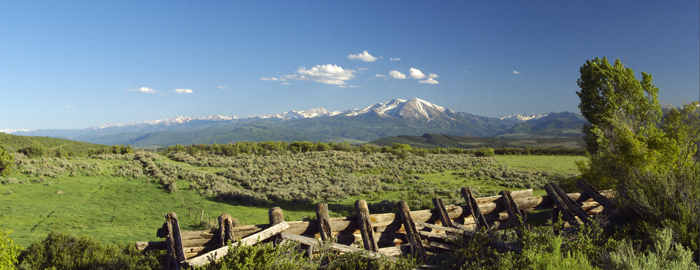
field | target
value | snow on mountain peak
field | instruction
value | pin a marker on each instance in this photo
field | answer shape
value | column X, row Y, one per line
column 523, row 117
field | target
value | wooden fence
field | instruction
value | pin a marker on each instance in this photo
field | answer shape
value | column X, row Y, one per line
column 410, row 232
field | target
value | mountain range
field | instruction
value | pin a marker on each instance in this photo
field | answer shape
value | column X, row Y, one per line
column 392, row 118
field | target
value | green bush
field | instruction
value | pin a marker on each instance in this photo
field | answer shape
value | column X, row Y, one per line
column 662, row 200
column 290, row 256
column 34, row 150
column 8, row 251
column 7, row 162
column 64, row 251
column 484, row 152
column 663, row 255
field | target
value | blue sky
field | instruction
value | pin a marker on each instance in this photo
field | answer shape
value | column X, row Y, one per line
column 76, row 64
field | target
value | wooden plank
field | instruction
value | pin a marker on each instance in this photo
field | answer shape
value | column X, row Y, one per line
column 439, row 228
column 176, row 253
column 571, row 204
column 515, row 194
column 253, row 239
column 561, row 205
column 479, row 219
column 365, row 226
column 334, row 246
column 442, row 212
column 439, row 235
column 513, row 212
column 413, row 237
column 198, row 242
column 595, row 194
column 324, row 221
column 441, row 245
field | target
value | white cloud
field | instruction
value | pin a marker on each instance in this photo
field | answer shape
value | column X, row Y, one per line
column 142, row 90
column 362, row 69
column 516, row 72
column 286, row 83
column 221, row 87
column 70, row 107
column 183, row 91
column 397, row 75
column 394, row 59
column 269, row 79
column 380, row 76
column 328, row 74
column 364, row 56
column 432, row 75
column 349, row 86
column 416, row 73
column 429, row 81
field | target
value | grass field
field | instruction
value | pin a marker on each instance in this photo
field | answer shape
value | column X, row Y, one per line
column 120, row 209
column 110, row 209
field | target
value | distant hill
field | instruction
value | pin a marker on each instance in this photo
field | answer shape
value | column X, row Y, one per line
column 451, row 141
column 554, row 125
column 16, row 142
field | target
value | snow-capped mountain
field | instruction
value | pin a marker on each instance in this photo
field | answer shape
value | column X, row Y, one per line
column 169, row 122
column 414, row 108
column 291, row 115
column 522, row 117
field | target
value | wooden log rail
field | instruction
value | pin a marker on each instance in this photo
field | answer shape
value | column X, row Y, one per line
column 387, row 229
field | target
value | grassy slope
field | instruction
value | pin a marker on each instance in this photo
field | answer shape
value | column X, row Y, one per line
column 15, row 142
column 116, row 209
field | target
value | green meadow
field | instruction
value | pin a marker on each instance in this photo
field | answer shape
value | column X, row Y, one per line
column 113, row 209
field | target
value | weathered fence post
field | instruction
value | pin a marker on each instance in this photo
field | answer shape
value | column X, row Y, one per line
column 411, row 233
column 175, row 253
column 513, row 211
column 365, row 225
column 571, row 204
column 595, row 194
column 561, row 205
column 276, row 217
column 479, row 219
column 324, row 221
column 225, row 229
column 442, row 212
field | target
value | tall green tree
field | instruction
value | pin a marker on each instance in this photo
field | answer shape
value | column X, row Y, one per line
column 624, row 131
column 649, row 157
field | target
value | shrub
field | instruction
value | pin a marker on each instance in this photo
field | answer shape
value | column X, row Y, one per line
column 64, row 251
column 290, row 256
column 484, row 152
column 8, row 251
column 7, row 162
column 34, row 150
column 663, row 255
column 662, row 200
